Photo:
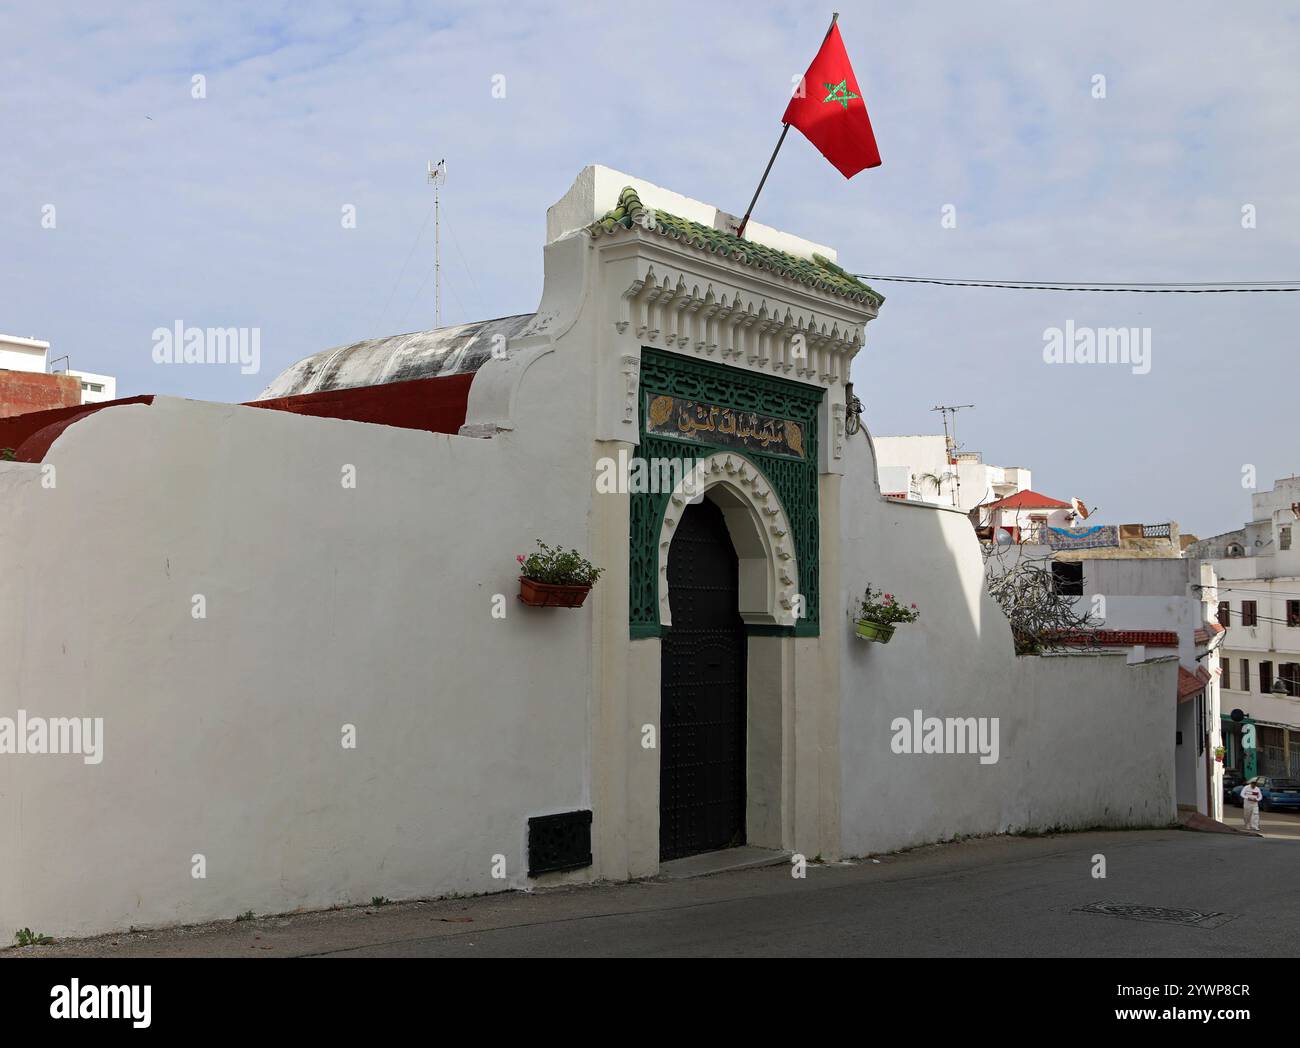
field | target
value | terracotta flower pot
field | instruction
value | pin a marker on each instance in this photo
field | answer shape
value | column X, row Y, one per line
column 548, row 595
column 878, row 631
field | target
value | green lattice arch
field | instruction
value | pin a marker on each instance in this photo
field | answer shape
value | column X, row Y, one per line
column 794, row 480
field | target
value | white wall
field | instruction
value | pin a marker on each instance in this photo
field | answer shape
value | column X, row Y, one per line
column 905, row 464
column 325, row 607
column 89, row 395
column 1084, row 740
column 22, row 354
column 1191, row 768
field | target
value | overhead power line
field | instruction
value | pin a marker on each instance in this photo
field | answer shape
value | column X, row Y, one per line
column 1227, row 287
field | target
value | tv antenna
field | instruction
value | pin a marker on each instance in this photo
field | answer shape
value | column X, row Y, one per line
column 950, row 443
column 437, row 176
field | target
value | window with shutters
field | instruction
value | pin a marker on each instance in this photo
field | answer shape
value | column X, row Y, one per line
column 1225, row 613
column 1249, row 613
column 1265, row 677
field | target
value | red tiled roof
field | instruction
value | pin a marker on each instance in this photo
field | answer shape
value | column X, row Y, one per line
column 1122, row 638
column 1027, row 500
column 1207, row 632
column 1190, row 684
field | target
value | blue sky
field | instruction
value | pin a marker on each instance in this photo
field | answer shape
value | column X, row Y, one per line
column 225, row 211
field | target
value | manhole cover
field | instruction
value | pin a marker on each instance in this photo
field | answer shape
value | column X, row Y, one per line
column 1158, row 914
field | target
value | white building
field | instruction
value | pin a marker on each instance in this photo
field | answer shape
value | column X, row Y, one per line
column 1258, row 568
column 1154, row 607
column 312, row 669
column 95, row 389
column 1023, row 517
column 22, row 354
column 922, row 467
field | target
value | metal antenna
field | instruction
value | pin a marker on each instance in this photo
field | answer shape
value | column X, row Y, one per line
column 437, row 176
column 950, row 443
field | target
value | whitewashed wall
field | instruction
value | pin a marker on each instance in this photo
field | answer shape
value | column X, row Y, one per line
column 325, row 607
column 1084, row 740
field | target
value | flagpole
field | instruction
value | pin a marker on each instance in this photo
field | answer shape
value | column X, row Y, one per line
column 772, row 159
column 762, row 181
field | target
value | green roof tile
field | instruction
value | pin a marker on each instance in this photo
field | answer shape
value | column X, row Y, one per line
column 817, row 272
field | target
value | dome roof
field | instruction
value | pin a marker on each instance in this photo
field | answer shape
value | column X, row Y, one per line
column 396, row 358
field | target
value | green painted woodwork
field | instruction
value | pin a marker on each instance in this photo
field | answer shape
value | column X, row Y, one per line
column 793, row 480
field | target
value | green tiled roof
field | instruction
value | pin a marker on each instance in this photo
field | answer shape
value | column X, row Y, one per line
column 817, row 272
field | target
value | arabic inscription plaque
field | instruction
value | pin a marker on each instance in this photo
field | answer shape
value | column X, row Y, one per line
column 701, row 423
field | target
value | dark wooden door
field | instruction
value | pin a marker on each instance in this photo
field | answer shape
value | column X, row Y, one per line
column 702, row 725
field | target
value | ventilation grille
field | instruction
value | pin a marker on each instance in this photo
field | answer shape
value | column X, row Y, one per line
column 559, row 842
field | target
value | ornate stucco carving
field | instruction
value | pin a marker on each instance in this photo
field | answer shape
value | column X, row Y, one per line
column 760, row 531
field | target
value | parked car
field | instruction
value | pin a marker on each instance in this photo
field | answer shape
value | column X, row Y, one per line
column 1232, row 779
column 1279, row 794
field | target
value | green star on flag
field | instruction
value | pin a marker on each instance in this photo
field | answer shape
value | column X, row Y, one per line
column 839, row 93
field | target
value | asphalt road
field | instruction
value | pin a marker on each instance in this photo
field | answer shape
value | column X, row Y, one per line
column 1005, row 896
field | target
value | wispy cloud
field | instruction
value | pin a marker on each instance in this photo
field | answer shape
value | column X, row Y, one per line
column 226, row 210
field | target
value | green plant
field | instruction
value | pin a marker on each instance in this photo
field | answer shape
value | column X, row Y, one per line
column 247, row 915
column 380, row 900
column 8, row 455
column 555, row 567
column 27, row 937
column 884, row 608
column 935, row 480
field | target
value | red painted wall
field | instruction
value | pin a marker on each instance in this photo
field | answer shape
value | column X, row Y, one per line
column 433, row 404
column 23, row 391
column 30, row 435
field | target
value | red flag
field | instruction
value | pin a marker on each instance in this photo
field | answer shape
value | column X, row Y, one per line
column 831, row 113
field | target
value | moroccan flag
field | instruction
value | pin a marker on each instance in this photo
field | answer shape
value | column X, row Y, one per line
column 831, row 113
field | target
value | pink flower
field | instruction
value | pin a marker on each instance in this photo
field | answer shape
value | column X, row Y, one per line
column 913, row 605
column 519, row 557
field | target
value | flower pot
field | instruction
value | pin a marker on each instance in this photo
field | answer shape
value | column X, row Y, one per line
column 878, row 631
column 548, row 595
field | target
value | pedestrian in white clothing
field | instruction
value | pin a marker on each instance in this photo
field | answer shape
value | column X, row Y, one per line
column 1251, row 795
